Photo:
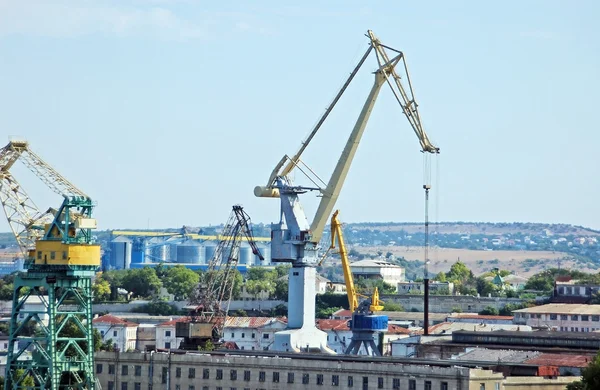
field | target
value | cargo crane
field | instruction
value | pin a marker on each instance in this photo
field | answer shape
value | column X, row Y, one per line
column 294, row 239
column 364, row 324
column 61, row 258
column 215, row 290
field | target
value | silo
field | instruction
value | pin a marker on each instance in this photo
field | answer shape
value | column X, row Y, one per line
column 209, row 252
column 246, row 255
column 137, row 253
column 265, row 250
column 172, row 252
column 190, row 252
column 158, row 253
column 120, row 253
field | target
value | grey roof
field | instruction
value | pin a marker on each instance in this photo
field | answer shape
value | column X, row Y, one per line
column 497, row 355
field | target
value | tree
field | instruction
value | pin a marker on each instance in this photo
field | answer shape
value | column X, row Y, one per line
column 440, row 277
column 101, row 289
column 181, row 282
column 157, row 308
column 281, row 290
column 142, row 282
column 590, row 376
column 255, row 287
column 391, row 306
column 489, row 311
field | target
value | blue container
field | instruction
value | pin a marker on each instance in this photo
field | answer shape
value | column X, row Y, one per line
column 372, row 323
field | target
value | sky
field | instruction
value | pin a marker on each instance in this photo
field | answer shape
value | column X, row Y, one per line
column 168, row 112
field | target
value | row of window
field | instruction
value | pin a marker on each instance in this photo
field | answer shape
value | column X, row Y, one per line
column 262, row 377
column 265, row 335
column 563, row 317
column 52, row 255
column 138, row 386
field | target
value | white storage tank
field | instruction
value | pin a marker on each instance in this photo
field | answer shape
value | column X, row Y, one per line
column 120, row 253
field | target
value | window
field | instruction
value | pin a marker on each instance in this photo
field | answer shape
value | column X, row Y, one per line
column 165, row 374
column 247, row 375
column 335, row 380
column 206, row 373
column 396, row 383
column 253, row 335
column 191, row 387
column 261, row 376
column 596, row 318
column 275, row 377
column 444, row 386
column 232, row 335
column 52, row 257
column 319, row 379
column 585, row 318
column 350, row 381
column 177, row 387
column 219, row 374
column 427, row 385
column 243, row 335
column 305, row 379
column 98, row 368
column 114, row 333
column 553, row 316
column 137, row 386
column 124, row 386
column 111, row 385
column 265, row 336
column 412, row 384
column 111, row 369
column 564, row 317
column 192, row 373
column 365, row 383
column 167, row 333
column 168, row 345
column 39, row 255
column 380, row 383
column 497, row 386
column 137, row 371
column 575, row 317
column 178, row 372
column 290, row 377
column 64, row 256
column 482, row 386
column 233, row 375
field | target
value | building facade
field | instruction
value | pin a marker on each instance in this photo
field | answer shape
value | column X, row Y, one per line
column 122, row 333
column 378, row 269
column 562, row 317
column 439, row 288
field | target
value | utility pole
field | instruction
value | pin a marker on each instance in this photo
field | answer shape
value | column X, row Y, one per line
column 426, row 187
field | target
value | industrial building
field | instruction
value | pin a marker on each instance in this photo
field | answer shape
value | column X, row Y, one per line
column 378, row 269
column 267, row 370
column 561, row 316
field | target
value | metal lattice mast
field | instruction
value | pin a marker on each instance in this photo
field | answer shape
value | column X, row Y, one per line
column 51, row 347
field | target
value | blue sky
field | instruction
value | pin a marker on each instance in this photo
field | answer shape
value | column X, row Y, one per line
column 168, row 112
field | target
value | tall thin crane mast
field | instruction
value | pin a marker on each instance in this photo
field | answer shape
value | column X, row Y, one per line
column 61, row 258
column 294, row 238
column 215, row 291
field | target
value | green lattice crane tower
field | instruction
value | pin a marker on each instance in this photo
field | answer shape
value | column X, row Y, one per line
column 51, row 343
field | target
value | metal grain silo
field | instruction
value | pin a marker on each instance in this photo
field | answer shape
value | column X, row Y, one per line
column 190, row 252
column 158, row 253
column 120, row 253
column 265, row 250
column 246, row 255
column 172, row 252
column 209, row 252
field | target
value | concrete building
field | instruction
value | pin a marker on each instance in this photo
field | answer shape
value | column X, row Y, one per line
column 145, row 337
column 561, row 316
column 165, row 334
column 336, row 288
column 378, row 269
column 252, row 333
column 508, row 282
column 439, row 288
column 574, row 291
column 218, row 371
column 122, row 333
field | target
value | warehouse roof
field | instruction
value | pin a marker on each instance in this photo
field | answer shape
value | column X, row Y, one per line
column 562, row 308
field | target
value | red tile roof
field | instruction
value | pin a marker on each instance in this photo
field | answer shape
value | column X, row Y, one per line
column 112, row 320
column 342, row 313
column 172, row 323
column 340, row 325
column 251, row 322
column 396, row 329
column 561, row 360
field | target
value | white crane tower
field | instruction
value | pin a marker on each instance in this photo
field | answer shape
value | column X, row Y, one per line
column 294, row 239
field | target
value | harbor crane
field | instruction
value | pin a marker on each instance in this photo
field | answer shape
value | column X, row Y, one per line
column 215, row 290
column 365, row 324
column 294, row 239
column 61, row 258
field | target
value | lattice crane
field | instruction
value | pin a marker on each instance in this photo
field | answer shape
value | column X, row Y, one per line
column 294, row 238
column 213, row 294
column 61, row 258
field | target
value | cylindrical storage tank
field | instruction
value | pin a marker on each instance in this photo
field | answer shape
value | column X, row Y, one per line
column 158, row 253
column 246, row 255
column 120, row 253
column 172, row 251
column 137, row 256
column 190, row 252
column 209, row 252
column 265, row 250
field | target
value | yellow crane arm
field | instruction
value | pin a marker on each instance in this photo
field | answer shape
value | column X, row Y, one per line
column 336, row 232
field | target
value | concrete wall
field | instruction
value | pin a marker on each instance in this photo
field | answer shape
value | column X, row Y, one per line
column 446, row 304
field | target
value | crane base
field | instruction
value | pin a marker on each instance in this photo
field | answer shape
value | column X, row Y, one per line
column 308, row 339
column 360, row 339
